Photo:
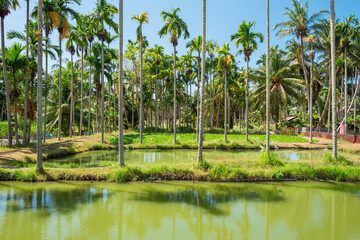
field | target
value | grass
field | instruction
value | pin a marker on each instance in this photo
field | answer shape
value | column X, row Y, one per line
column 212, row 171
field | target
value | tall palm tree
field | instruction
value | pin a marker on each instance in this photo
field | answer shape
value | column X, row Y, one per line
column 70, row 46
column 121, row 97
column 201, row 135
column 226, row 59
column 82, row 44
column 141, row 19
column 27, row 71
column 299, row 24
column 16, row 62
column 103, row 15
column 176, row 27
column 5, row 7
column 348, row 32
column 248, row 40
column 196, row 45
column 39, row 168
column 64, row 11
column 90, row 38
column 267, row 76
column 50, row 18
column 333, row 77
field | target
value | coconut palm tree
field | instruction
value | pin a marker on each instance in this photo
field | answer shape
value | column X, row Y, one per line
column 39, row 168
column 90, row 38
column 6, row 6
column 121, row 97
column 63, row 12
column 348, row 32
column 176, row 27
column 333, row 77
column 284, row 83
column 248, row 40
column 299, row 23
column 203, row 48
column 226, row 59
column 103, row 15
column 141, row 19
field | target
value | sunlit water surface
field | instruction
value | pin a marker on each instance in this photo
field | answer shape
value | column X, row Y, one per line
column 179, row 210
column 103, row 158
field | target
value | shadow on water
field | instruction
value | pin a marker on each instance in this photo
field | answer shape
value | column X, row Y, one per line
column 62, row 198
column 210, row 198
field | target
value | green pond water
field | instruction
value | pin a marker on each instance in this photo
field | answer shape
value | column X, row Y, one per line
column 179, row 210
column 104, row 158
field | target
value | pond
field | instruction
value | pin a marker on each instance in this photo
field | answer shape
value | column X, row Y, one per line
column 105, row 158
column 179, row 210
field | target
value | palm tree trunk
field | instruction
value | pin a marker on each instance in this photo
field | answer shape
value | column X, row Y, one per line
column 355, row 96
column 174, row 94
column 197, row 100
column 202, row 96
column 311, row 98
column 121, row 97
column 39, row 92
column 141, row 123
column 157, row 104
column 16, row 122
column 60, row 88
column 102, row 95
column 81, row 91
column 247, row 98
column 71, row 97
column 46, row 78
column 267, row 76
column 333, row 74
column 2, row 112
column 109, row 103
column 345, row 92
column 211, row 102
column 304, row 69
column 8, row 103
column 89, row 120
column 225, row 106
column 27, row 72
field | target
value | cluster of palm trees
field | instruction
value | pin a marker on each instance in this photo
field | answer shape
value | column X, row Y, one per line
column 104, row 89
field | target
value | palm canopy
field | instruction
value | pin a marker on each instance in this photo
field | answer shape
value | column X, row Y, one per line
column 246, row 38
column 285, row 84
column 14, row 58
column 348, row 30
column 226, row 59
column 195, row 45
column 298, row 23
column 50, row 16
column 6, row 6
column 103, row 15
column 141, row 19
column 174, row 26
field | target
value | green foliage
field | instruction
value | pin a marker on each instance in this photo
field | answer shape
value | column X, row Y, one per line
column 269, row 159
column 341, row 160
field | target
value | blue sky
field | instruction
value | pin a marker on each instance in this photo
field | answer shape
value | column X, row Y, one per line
column 223, row 18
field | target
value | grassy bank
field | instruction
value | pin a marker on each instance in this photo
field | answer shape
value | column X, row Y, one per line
column 210, row 172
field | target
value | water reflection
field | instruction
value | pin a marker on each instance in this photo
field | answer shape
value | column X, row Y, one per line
column 105, row 158
column 179, row 210
column 210, row 199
